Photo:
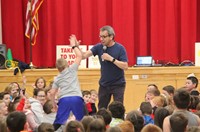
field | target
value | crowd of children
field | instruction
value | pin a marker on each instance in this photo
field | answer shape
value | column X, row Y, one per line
column 162, row 110
column 61, row 106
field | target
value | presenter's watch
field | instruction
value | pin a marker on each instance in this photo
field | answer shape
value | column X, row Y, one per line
column 113, row 60
column 74, row 47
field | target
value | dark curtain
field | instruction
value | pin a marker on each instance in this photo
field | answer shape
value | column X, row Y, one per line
column 164, row 29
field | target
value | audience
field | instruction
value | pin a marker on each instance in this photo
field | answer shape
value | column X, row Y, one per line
column 86, row 121
column 39, row 98
column 5, row 96
column 107, row 116
column 97, row 125
column 40, row 83
column 193, row 129
column 86, row 97
column 173, row 111
column 74, row 126
column 25, row 107
column 178, row 122
column 93, row 99
column 191, row 85
column 160, row 115
column 13, row 89
column 118, row 111
column 194, row 101
column 126, row 126
column 3, row 109
column 168, row 90
column 12, row 105
column 3, row 125
column 45, row 127
column 152, row 87
column 16, row 122
column 136, row 119
column 114, row 129
column 182, row 100
column 146, row 109
column 49, row 112
column 151, row 128
column 150, row 94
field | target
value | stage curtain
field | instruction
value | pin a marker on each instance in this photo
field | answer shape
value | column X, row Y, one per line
column 164, row 29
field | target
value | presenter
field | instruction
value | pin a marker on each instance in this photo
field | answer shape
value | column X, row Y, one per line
column 113, row 60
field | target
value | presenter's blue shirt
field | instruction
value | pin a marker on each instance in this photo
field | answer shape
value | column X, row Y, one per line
column 111, row 75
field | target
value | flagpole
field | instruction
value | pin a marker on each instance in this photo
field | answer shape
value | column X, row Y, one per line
column 31, row 29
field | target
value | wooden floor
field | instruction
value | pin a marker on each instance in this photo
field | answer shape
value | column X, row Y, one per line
column 137, row 80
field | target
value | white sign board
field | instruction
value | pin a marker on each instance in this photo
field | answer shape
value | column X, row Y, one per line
column 93, row 62
column 66, row 52
column 197, row 54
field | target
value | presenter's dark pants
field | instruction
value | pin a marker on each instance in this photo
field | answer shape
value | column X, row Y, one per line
column 105, row 94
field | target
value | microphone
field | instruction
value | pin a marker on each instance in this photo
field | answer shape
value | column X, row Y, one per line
column 104, row 50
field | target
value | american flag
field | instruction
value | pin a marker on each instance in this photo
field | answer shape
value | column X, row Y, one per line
column 32, row 24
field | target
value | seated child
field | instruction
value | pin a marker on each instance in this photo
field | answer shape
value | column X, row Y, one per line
column 40, row 83
column 191, row 85
column 146, row 109
column 93, row 99
column 50, row 112
column 86, row 97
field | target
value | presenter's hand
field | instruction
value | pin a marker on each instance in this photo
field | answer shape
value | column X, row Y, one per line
column 107, row 57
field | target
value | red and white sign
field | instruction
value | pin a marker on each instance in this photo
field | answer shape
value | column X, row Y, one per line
column 66, row 52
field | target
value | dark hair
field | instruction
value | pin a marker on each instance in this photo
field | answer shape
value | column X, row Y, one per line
column 2, row 94
column 194, row 80
column 146, row 108
column 74, row 126
column 97, row 125
column 194, row 100
column 86, row 121
column 160, row 115
column 154, row 85
column 117, row 109
column 48, row 106
column 47, row 89
column 13, row 103
column 194, row 93
column 136, row 119
column 181, row 99
column 45, row 127
column 169, row 88
column 106, row 114
column 16, row 121
column 85, row 92
column 178, row 122
column 36, row 91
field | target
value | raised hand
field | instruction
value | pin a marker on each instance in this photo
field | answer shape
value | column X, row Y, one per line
column 73, row 41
